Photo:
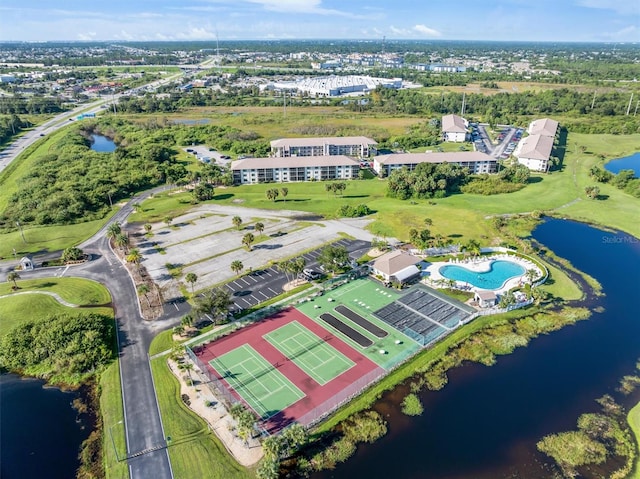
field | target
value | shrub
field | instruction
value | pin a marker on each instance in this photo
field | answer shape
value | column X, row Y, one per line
column 411, row 405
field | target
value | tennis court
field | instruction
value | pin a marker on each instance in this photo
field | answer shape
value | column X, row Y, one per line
column 265, row 389
column 314, row 355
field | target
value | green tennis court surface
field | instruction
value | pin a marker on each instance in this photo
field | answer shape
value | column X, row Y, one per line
column 261, row 385
column 321, row 361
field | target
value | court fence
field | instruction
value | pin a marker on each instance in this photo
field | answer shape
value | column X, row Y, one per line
column 218, row 389
column 350, row 392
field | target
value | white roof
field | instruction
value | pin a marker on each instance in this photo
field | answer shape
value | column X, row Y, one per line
column 293, row 162
column 395, row 261
column 536, row 147
column 453, row 124
column 544, row 127
column 437, row 157
column 336, row 140
column 406, row 273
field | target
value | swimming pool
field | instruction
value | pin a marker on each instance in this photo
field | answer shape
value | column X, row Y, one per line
column 498, row 273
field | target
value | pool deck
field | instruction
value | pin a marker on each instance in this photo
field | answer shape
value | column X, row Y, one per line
column 479, row 265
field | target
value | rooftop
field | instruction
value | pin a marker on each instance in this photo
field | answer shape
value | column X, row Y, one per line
column 536, row 147
column 293, row 162
column 394, row 262
column 438, row 157
column 454, row 124
column 544, row 127
column 335, row 140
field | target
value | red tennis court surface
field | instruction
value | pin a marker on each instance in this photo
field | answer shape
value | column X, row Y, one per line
column 320, row 398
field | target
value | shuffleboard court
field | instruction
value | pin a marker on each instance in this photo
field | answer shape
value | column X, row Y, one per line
column 265, row 389
column 360, row 321
column 347, row 330
column 321, row 361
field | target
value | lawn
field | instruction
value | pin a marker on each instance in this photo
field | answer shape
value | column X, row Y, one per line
column 634, row 422
column 194, row 450
column 19, row 308
column 114, row 446
column 83, row 292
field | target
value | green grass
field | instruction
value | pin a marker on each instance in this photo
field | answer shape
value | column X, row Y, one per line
column 194, row 451
column 634, row 422
column 113, row 435
column 162, row 342
column 19, row 308
column 83, row 292
column 157, row 208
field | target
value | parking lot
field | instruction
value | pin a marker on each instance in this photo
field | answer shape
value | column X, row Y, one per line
column 206, row 242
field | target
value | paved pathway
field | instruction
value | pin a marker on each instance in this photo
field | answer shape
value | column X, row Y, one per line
column 48, row 293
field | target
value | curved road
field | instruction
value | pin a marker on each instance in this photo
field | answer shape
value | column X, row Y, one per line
column 146, row 445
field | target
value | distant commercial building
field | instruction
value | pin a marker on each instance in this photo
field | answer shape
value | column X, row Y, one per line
column 329, row 65
column 333, row 86
column 535, row 150
column 358, row 146
column 476, row 161
column 438, row 68
column 307, row 168
column 455, row 128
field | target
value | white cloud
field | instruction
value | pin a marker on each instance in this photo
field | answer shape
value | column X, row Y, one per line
column 426, row 31
column 619, row 6
column 87, row 36
column 629, row 34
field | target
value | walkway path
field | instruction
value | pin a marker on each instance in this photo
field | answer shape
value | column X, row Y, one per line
column 48, row 293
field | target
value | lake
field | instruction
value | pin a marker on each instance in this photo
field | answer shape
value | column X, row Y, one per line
column 486, row 421
column 627, row 163
column 102, row 144
column 41, row 433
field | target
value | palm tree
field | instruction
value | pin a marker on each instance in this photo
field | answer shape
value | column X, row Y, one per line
column 237, row 222
column 188, row 367
column 531, row 275
column 259, row 227
column 297, row 266
column 236, row 266
column 13, row 276
column 113, row 230
column 285, row 192
column 187, row 320
column 168, row 220
column 147, row 227
column 134, row 257
column 121, row 241
column 191, row 278
column 247, row 240
column 143, row 290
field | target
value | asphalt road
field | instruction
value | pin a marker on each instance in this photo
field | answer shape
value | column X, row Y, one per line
column 146, row 444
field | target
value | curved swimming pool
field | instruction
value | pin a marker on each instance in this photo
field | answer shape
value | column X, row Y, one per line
column 499, row 272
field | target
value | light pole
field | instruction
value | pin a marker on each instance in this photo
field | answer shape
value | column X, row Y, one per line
column 21, row 232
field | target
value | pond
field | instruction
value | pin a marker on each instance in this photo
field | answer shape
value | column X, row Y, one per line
column 486, row 421
column 627, row 163
column 41, row 432
column 102, row 144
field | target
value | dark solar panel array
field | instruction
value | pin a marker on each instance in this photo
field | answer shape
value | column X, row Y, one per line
column 401, row 318
column 434, row 307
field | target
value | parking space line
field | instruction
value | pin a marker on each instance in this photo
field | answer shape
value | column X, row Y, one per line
column 266, row 297
column 245, row 281
column 252, row 278
column 276, row 294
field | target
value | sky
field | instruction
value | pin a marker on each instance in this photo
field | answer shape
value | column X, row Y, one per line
column 147, row 20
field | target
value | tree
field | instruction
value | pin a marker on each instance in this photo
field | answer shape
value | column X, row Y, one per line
column 237, row 222
column 72, row 254
column 168, row 220
column 147, row 227
column 592, row 192
column 473, row 247
column 187, row 320
column 13, row 276
column 137, row 207
column 333, row 258
column 236, row 266
column 297, row 266
column 215, row 304
column 143, row 290
column 121, row 241
column 247, row 240
column 191, row 278
column 113, row 230
column 284, row 192
column 203, row 192
column 272, row 194
column 259, row 227
column 531, row 275
column 134, row 257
